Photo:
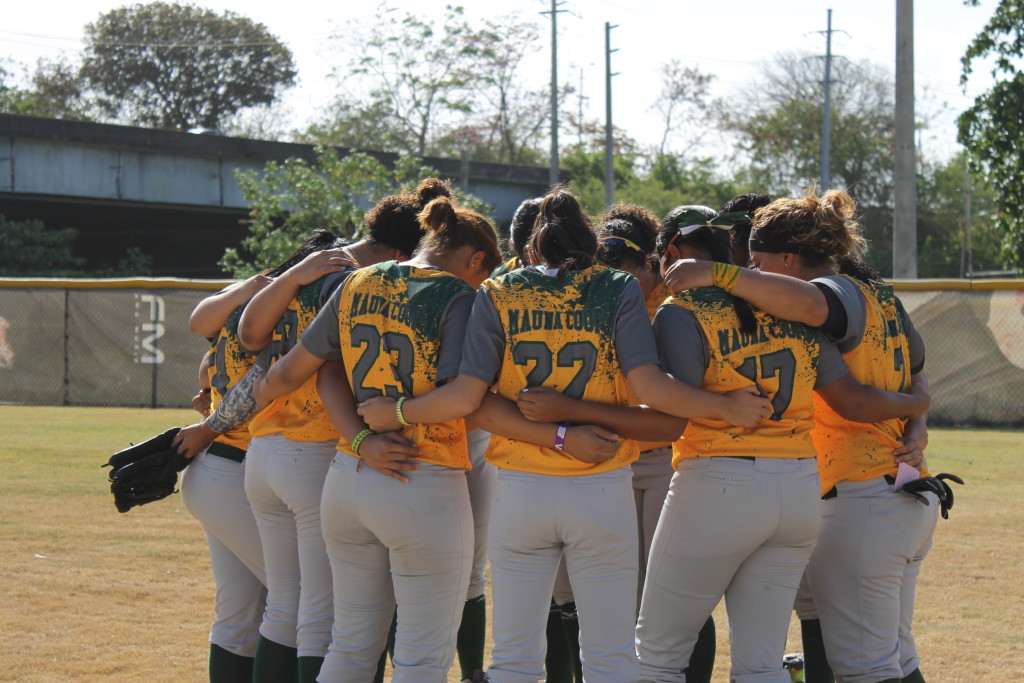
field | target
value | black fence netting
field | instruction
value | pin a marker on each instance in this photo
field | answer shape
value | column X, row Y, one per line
column 128, row 344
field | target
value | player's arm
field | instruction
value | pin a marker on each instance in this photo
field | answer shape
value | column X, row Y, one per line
column 543, row 404
column 859, row 402
column 256, row 328
column 211, row 313
column 286, row 375
column 588, row 443
column 780, row 295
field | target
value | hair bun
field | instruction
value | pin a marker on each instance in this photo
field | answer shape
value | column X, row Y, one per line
column 437, row 213
column 430, row 189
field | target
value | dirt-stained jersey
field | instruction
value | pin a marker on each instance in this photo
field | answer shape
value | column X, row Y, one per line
column 560, row 336
column 227, row 365
column 299, row 416
column 389, row 321
column 855, row 451
column 506, row 267
column 780, row 356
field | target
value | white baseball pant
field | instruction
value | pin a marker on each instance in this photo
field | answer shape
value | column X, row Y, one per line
column 390, row 541
column 213, row 490
column 283, row 481
column 652, row 474
column 733, row 527
column 592, row 521
column 863, row 576
column 481, row 481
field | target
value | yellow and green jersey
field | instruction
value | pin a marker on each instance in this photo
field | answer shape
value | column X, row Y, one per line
column 559, row 335
column 390, row 320
column 780, row 356
column 300, row 415
column 857, row 451
column 227, row 365
column 507, row 266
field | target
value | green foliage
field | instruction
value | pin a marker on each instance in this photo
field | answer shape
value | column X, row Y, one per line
column 292, row 198
column 180, row 66
column 53, row 90
column 992, row 129
column 778, row 124
column 29, row 249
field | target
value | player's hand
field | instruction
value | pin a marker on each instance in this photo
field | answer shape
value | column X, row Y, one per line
column 390, row 454
column 318, row 264
column 379, row 414
column 590, row 443
column 919, row 390
column 253, row 285
column 193, row 439
column 687, row 274
column 746, row 407
column 202, row 402
column 544, row 404
column 914, row 442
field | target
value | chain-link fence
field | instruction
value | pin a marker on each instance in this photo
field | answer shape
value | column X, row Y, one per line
column 127, row 343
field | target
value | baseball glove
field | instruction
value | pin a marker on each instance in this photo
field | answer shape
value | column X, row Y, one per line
column 146, row 472
column 936, row 485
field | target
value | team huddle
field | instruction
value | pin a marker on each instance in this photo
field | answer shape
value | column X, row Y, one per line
column 623, row 420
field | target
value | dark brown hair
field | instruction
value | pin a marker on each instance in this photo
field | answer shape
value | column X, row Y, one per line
column 563, row 237
column 821, row 229
column 634, row 223
column 449, row 227
column 394, row 220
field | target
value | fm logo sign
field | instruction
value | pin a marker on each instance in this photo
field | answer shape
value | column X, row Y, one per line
column 149, row 327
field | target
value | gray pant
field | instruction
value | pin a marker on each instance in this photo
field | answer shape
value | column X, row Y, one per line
column 863, row 576
column 481, row 481
column 389, row 541
column 592, row 521
column 652, row 474
column 213, row 490
column 738, row 528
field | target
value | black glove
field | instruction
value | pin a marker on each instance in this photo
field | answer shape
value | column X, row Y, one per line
column 146, row 472
column 936, row 485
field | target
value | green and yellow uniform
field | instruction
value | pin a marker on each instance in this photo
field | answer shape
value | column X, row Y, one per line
column 389, row 321
column 228, row 364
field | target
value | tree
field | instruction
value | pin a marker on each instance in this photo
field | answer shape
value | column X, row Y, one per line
column 992, row 128
column 181, row 66
column 683, row 97
column 415, row 71
column 292, row 198
column 778, row 124
column 29, row 249
column 53, row 90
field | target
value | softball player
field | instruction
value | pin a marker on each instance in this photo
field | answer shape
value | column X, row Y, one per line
column 864, row 571
column 579, row 327
column 397, row 328
column 742, row 514
column 213, row 485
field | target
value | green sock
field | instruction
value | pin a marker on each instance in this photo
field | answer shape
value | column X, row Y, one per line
column 557, row 662
column 309, row 668
column 702, row 659
column 914, row 677
column 275, row 663
column 472, row 633
column 816, row 668
column 571, row 626
column 227, row 667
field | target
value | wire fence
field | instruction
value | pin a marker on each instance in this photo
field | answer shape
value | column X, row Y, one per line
column 127, row 343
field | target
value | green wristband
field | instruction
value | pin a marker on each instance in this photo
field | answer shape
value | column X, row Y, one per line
column 398, row 412
column 359, row 439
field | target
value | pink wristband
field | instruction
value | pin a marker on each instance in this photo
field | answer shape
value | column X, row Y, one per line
column 560, row 436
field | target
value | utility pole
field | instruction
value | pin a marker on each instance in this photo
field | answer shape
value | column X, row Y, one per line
column 609, row 148
column 967, row 262
column 580, row 121
column 826, row 117
column 904, row 232
column 553, row 173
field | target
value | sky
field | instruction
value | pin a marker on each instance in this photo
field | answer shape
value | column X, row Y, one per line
column 731, row 39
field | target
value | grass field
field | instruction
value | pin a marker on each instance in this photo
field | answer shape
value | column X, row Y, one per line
column 93, row 595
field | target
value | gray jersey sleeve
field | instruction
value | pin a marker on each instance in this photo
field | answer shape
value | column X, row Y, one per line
column 322, row 338
column 484, row 347
column 634, row 339
column 852, row 301
column 682, row 344
column 452, row 336
column 831, row 365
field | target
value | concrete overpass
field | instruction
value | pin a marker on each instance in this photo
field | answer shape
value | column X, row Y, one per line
column 172, row 194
